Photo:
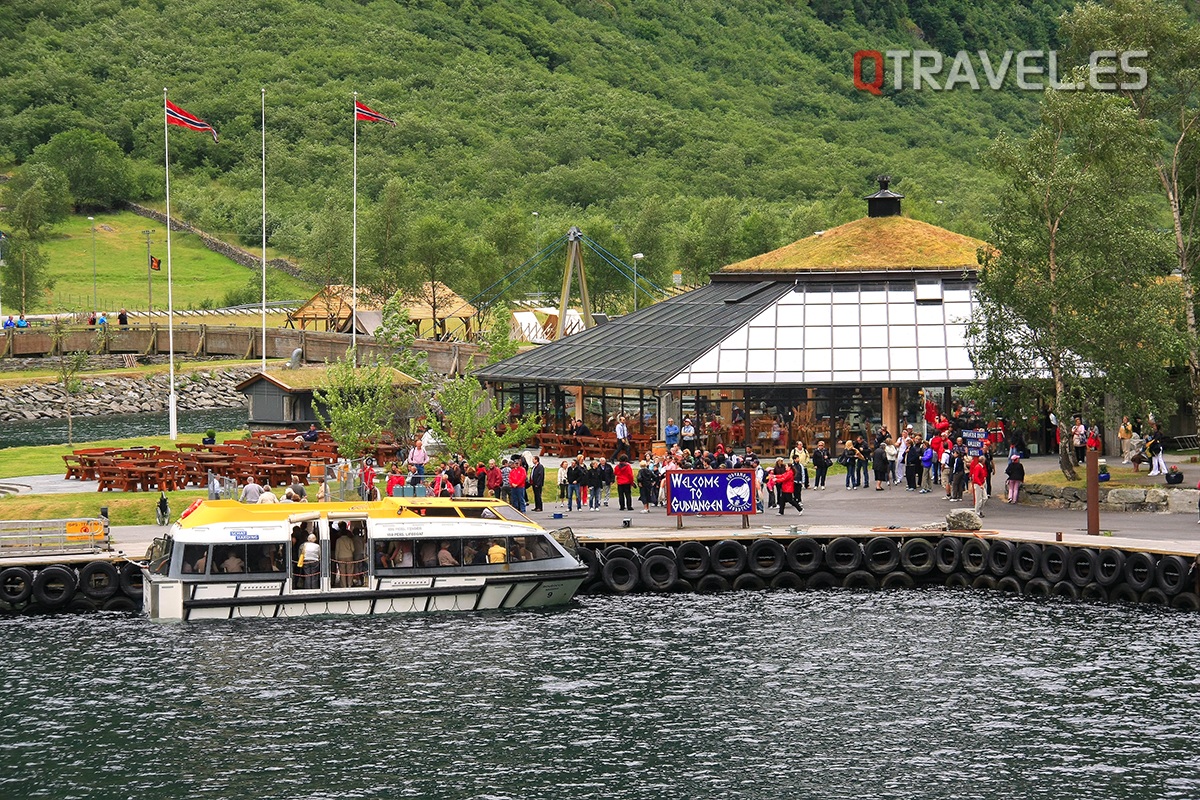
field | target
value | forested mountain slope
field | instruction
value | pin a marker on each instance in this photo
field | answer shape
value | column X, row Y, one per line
column 698, row 133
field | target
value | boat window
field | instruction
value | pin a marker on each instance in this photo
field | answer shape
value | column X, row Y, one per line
column 349, row 553
column 160, row 556
column 511, row 514
column 195, row 559
column 435, row 511
column 265, row 558
column 478, row 512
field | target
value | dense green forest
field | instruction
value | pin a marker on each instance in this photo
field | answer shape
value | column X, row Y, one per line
column 697, row 133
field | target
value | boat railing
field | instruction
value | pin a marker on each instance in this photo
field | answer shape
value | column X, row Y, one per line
column 53, row 536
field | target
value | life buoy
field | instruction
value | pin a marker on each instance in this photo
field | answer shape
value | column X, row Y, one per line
column 1000, row 558
column 16, row 584
column 881, row 555
column 899, row 580
column 1110, row 567
column 99, row 580
column 748, row 582
column 1094, row 593
column 918, row 557
column 53, row 587
column 804, row 555
column 1054, row 563
column 692, row 560
column 1065, row 589
column 843, row 555
column 958, row 580
column 620, row 574
column 1186, row 601
column 1038, row 587
column 860, row 579
column 766, row 558
column 712, row 584
column 985, row 582
column 1009, row 585
column 974, row 556
column 131, row 579
column 948, row 554
column 1141, row 571
column 1172, row 573
column 591, row 560
column 788, row 580
column 727, row 558
column 1081, row 565
column 1155, row 597
column 820, row 580
column 1122, row 593
column 659, row 572
column 1027, row 561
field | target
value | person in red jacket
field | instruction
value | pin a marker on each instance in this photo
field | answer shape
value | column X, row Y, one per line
column 494, row 478
column 517, row 478
column 785, row 482
column 937, row 444
column 979, row 476
column 624, row 478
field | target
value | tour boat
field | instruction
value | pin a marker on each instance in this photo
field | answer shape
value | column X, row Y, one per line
column 224, row 559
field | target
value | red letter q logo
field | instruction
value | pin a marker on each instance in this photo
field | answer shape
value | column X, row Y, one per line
column 876, row 83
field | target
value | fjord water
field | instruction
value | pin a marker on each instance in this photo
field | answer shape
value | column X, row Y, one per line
column 917, row 694
column 119, row 426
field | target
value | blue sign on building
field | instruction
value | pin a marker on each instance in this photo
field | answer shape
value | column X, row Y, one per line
column 726, row 491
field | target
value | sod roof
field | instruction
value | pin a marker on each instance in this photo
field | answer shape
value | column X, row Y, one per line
column 870, row 243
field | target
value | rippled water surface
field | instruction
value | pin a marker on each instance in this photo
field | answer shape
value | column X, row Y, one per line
column 919, row 694
column 119, row 426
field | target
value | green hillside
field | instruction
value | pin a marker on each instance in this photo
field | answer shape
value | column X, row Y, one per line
column 699, row 133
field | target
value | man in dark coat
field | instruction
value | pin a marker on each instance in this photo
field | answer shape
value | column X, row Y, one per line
column 537, row 479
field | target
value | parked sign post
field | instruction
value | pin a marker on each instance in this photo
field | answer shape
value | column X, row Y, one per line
column 720, row 492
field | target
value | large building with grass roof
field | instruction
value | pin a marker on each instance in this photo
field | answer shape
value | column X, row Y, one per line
column 826, row 337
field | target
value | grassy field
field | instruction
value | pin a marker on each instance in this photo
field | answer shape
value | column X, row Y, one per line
column 123, row 509
column 199, row 276
column 23, row 377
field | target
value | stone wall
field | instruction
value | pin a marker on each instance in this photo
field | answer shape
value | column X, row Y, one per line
column 112, row 394
column 1154, row 498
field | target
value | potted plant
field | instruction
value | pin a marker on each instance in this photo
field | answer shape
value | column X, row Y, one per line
column 1102, row 473
column 1174, row 475
column 210, row 436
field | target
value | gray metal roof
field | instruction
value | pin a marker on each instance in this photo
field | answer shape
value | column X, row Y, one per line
column 646, row 348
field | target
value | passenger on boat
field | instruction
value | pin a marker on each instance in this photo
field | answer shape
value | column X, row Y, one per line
column 251, row 491
column 496, row 552
column 343, row 556
column 445, row 557
column 401, row 554
column 312, row 562
column 232, row 563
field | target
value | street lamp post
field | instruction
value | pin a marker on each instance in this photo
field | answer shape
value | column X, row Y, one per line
column 95, row 296
column 636, row 258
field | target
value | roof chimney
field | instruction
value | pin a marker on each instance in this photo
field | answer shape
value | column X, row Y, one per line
column 885, row 202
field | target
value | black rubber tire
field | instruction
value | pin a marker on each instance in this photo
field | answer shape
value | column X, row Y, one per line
column 1081, row 565
column 975, row 556
column 958, row 580
column 1155, row 597
column 843, row 555
column 1054, row 563
column 1094, row 593
column 593, row 587
column 949, row 554
column 881, row 555
column 81, row 605
column 692, row 560
column 749, row 582
column 727, row 558
column 654, row 549
column 659, row 572
column 805, row 556
column 99, row 580
column 766, row 558
column 898, row 580
column 44, row 593
column 1038, row 587
column 121, row 603
column 1141, row 570
column 682, row 587
column 1110, row 567
column 1065, row 589
column 1172, row 575
column 620, row 575
column 788, row 580
column 1027, row 561
column 1122, row 593
column 712, row 584
column 620, row 551
column 820, row 580
column 131, row 580
column 918, row 557
column 591, row 560
column 16, row 584
column 1186, row 601
column 860, row 579
column 1000, row 558
column 983, row 581
column 1009, row 584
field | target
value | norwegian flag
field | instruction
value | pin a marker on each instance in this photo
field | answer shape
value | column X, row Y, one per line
column 365, row 114
column 177, row 116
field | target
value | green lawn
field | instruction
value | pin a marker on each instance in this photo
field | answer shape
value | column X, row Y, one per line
column 123, row 508
column 198, row 274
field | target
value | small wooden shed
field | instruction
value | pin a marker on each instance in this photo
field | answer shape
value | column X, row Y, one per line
column 284, row 399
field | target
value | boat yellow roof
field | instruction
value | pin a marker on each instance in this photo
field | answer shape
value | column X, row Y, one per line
column 232, row 512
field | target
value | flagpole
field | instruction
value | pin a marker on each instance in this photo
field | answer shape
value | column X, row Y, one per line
column 264, row 229
column 354, row 244
column 171, row 400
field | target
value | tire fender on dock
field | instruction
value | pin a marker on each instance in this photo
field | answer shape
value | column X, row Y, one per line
column 131, row 579
column 1054, row 563
column 99, row 580
column 918, row 557
column 16, row 584
column 659, row 572
column 53, row 587
column 1172, row 574
column 1027, row 561
column 692, row 560
column 1141, row 571
column 766, row 558
column 974, row 556
column 949, row 554
column 727, row 558
column 620, row 575
column 843, row 555
column 881, row 555
column 804, row 555
column 1000, row 558
column 1081, row 565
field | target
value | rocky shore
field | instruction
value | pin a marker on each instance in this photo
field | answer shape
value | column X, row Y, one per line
column 115, row 394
